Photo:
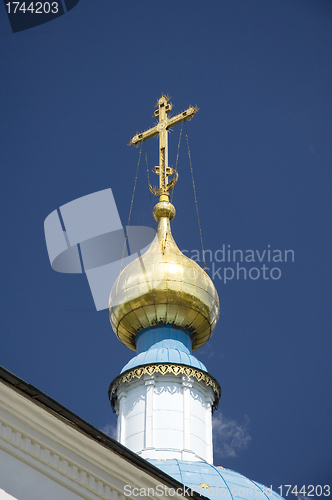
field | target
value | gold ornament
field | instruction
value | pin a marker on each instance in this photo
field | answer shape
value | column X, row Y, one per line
column 164, row 369
column 163, row 287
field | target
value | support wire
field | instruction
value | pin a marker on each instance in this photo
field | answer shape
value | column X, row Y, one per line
column 177, row 159
column 194, row 188
column 148, row 175
column 131, row 208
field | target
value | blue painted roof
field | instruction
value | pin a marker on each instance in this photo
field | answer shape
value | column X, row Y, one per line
column 163, row 345
column 212, row 481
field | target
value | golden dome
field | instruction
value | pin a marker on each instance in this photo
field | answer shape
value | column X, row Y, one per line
column 161, row 287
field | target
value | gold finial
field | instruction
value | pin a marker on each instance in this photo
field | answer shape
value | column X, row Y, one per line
column 163, row 286
column 164, row 124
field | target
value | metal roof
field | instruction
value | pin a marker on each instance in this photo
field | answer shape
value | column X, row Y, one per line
column 215, row 481
column 163, row 345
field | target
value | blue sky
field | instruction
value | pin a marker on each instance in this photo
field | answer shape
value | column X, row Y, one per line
column 73, row 93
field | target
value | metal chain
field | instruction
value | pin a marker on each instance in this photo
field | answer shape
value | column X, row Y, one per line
column 177, row 158
column 147, row 172
column 131, row 207
column 192, row 176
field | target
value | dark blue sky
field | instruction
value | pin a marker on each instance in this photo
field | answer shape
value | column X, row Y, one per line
column 73, row 93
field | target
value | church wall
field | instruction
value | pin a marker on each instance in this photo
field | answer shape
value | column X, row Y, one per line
column 46, row 456
column 134, row 418
column 201, row 422
column 166, row 416
column 25, row 482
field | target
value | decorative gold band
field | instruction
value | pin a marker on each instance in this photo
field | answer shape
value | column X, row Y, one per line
column 164, row 369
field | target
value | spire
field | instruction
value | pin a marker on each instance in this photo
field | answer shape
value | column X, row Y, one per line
column 163, row 306
column 163, row 286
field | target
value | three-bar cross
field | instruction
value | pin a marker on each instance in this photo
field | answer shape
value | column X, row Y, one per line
column 164, row 124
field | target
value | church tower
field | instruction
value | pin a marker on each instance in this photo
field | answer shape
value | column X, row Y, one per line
column 164, row 306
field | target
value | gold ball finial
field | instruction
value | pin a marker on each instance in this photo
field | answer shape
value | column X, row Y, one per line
column 164, row 209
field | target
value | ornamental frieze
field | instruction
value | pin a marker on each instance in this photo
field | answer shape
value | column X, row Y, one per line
column 165, row 369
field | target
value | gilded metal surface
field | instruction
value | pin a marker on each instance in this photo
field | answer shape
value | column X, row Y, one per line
column 161, row 287
column 165, row 369
column 164, row 209
column 161, row 129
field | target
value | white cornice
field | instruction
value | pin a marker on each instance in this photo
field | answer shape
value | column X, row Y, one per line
column 51, row 444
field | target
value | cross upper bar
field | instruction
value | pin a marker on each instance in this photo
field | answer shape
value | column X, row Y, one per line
column 151, row 132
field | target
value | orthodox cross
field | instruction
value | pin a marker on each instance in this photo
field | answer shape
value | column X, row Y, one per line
column 162, row 127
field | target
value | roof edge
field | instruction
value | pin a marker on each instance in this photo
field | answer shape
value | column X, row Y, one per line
column 30, row 392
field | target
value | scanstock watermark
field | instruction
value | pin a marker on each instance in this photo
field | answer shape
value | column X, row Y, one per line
column 86, row 236
column 227, row 264
column 203, row 489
